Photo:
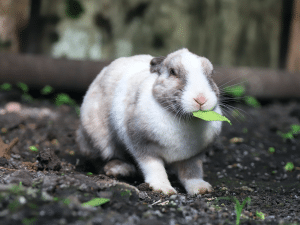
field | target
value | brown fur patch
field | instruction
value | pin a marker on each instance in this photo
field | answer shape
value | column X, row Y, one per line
column 190, row 168
column 168, row 90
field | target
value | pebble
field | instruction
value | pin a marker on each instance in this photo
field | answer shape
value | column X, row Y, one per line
column 12, row 107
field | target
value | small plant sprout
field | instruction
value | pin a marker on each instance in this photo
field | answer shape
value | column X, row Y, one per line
column 96, row 202
column 30, row 221
column 272, row 150
column 64, row 99
column 236, row 91
column 16, row 189
column 251, row 101
column 238, row 207
column 289, row 166
column 26, row 97
column 66, row 201
column 210, row 116
column 33, row 148
column 260, row 215
column 47, row 90
column 5, row 87
column 23, row 87
column 126, row 193
column 89, row 173
column 245, row 130
column 295, row 130
column 239, row 91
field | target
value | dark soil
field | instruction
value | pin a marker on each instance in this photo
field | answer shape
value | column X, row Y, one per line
column 55, row 183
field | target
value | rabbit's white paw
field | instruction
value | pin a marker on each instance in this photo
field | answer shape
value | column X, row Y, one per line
column 163, row 188
column 197, row 186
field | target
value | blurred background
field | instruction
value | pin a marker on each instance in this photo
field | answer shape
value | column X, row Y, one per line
column 230, row 33
column 255, row 33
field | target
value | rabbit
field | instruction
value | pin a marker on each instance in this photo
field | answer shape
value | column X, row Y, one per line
column 142, row 106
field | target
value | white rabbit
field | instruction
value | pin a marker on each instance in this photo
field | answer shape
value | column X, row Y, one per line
column 143, row 106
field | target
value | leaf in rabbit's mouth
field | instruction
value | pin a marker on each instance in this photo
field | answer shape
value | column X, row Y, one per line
column 210, row 116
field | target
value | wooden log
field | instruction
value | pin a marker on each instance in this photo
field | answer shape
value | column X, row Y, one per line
column 38, row 71
column 293, row 59
column 73, row 75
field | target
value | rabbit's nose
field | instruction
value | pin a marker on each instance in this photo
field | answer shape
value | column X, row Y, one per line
column 200, row 99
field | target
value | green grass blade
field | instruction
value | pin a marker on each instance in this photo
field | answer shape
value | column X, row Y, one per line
column 96, row 202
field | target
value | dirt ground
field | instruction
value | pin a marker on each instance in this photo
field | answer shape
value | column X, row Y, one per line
column 55, row 181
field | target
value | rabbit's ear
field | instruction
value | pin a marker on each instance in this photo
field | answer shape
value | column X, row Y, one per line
column 156, row 64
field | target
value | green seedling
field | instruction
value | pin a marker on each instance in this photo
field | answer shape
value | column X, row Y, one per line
column 66, row 201
column 30, row 221
column 23, row 87
column 238, row 207
column 260, row 215
column 272, row 150
column 289, row 166
column 126, row 193
column 251, row 101
column 295, row 130
column 210, row 116
column 14, row 205
column 64, row 99
column 26, row 97
column 89, row 173
column 96, row 202
column 245, row 130
column 17, row 189
column 5, row 87
column 47, row 90
column 236, row 91
column 33, row 148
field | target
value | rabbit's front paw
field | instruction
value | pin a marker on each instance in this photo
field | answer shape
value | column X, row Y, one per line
column 163, row 188
column 197, row 186
column 118, row 168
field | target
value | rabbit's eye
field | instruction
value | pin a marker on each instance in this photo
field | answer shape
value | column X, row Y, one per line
column 172, row 72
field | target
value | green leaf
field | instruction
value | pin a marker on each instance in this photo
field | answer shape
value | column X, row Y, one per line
column 96, row 202
column 210, row 116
